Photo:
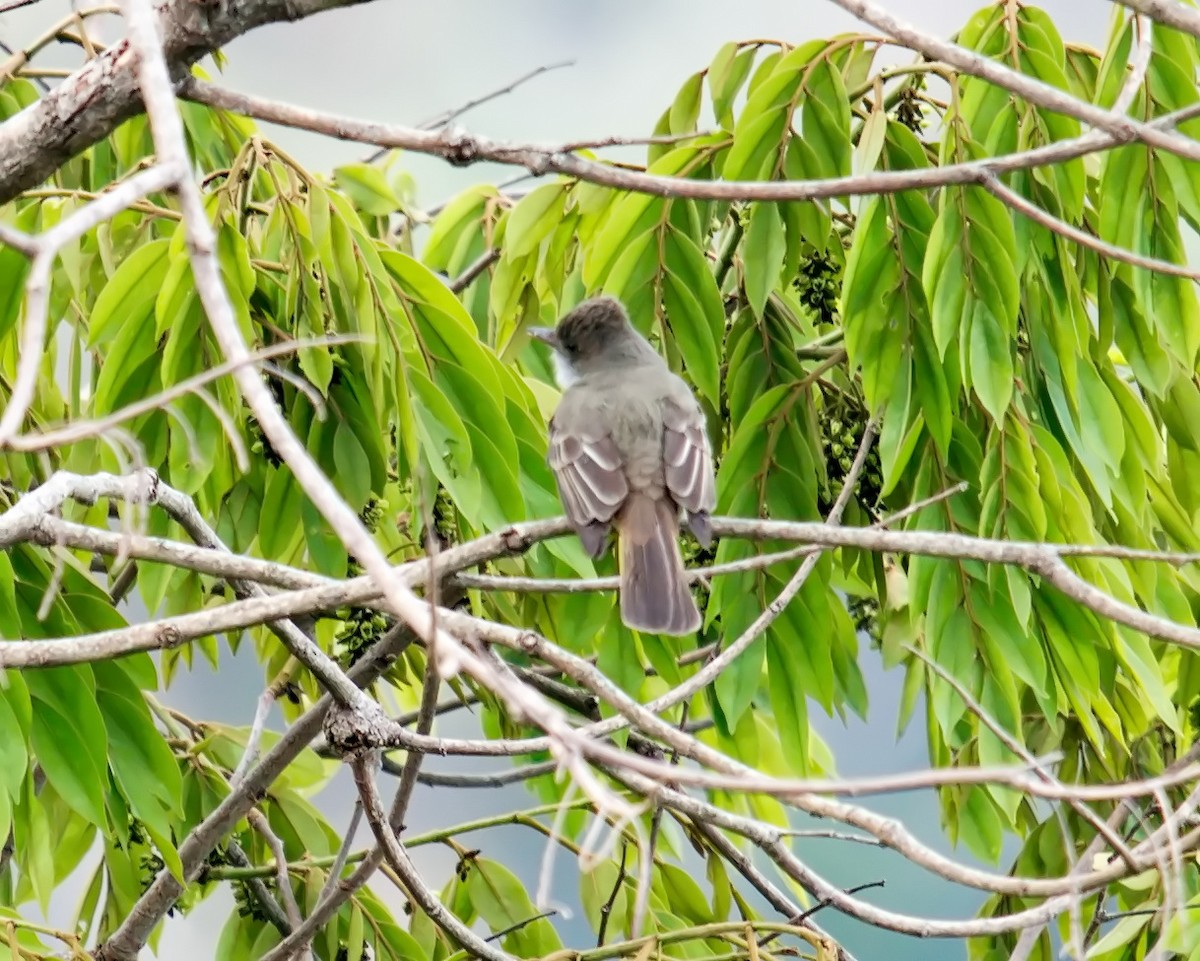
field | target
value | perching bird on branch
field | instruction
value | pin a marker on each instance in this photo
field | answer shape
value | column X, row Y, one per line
column 629, row 449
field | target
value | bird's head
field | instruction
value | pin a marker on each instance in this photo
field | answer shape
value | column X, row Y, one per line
column 595, row 337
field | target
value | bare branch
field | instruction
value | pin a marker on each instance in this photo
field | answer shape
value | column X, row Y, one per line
column 397, row 857
column 19, row 240
column 1168, row 12
column 258, row 725
column 165, row 889
column 343, row 854
column 1043, row 559
column 1082, row 237
column 1122, row 128
column 460, row 147
column 100, row 95
column 513, row 776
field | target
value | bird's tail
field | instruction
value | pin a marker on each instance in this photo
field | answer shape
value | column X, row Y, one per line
column 654, row 588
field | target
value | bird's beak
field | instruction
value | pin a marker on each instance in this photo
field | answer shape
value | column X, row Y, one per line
column 545, row 334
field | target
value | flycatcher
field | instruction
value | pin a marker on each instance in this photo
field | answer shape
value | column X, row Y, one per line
column 629, row 449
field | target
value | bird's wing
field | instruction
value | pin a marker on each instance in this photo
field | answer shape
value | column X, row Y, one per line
column 590, row 474
column 687, row 457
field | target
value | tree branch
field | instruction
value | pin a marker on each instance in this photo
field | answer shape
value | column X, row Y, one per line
column 397, row 857
column 127, row 939
column 96, row 98
column 460, row 147
column 1115, row 125
column 1167, row 12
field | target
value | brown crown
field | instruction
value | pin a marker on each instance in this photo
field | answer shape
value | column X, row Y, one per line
column 592, row 324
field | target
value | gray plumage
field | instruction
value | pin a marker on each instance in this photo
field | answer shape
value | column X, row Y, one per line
column 629, row 449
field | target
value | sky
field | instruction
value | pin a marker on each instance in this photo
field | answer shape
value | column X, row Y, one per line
column 413, row 61
column 404, row 62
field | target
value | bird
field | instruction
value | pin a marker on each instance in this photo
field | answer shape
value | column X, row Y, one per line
column 629, row 449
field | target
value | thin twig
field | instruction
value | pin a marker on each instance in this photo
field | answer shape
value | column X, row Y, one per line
column 81, row 430
column 1011, row 742
column 606, row 909
column 474, row 269
column 397, row 857
column 449, row 116
column 339, row 861
column 287, row 896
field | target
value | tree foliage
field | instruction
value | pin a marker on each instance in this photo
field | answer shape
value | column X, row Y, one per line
column 1056, row 381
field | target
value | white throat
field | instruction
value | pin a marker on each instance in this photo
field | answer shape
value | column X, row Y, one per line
column 564, row 372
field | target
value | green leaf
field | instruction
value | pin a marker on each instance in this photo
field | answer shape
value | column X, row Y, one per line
column 901, row 431
column 635, row 268
column 324, row 546
column 143, row 766
column 684, row 896
column 762, row 254
column 825, row 119
column 353, row 469
column 754, row 153
column 981, row 827
column 282, row 500
column 932, row 391
column 533, row 218
column 1125, row 931
column 10, row 621
column 694, row 311
column 945, row 278
column 367, row 188
column 788, row 701
column 619, row 653
column 502, row 902
column 718, row 879
column 353, row 943
column 459, row 216
column 14, row 268
column 15, row 722
column 233, row 254
column 595, row 889
column 130, row 367
column 873, row 275
column 630, row 216
column 685, row 109
column 726, row 75
column 129, row 293
column 175, row 296
column 991, row 362
column 68, row 737
column 34, row 841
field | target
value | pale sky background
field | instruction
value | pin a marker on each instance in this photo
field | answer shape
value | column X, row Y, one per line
column 404, row 62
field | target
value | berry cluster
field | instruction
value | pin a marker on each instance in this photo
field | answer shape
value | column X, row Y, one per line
column 818, row 284
column 910, row 111
column 361, row 628
column 864, row 611
column 840, row 440
column 259, row 445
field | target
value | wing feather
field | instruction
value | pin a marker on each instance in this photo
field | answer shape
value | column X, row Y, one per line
column 688, row 466
column 591, row 480
column 687, row 457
